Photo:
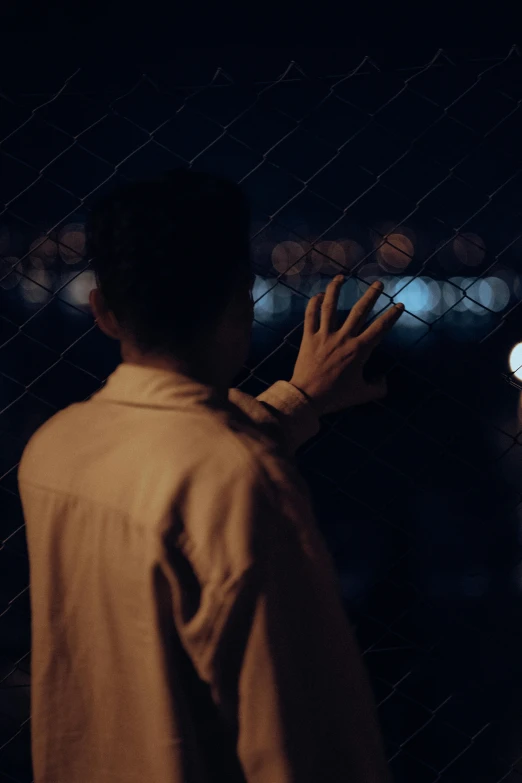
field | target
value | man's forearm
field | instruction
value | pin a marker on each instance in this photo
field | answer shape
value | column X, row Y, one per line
column 284, row 406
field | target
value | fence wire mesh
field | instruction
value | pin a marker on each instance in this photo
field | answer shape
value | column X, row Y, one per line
column 412, row 176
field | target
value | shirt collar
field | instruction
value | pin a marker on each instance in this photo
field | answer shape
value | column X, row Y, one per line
column 133, row 384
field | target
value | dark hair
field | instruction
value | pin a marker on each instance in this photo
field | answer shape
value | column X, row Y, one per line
column 168, row 254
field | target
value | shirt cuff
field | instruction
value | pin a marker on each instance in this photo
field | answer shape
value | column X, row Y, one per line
column 294, row 412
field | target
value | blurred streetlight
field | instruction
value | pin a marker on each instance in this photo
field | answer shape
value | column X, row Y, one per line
column 515, row 361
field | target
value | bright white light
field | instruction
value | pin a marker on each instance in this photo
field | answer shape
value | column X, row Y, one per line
column 515, row 361
column 77, row 290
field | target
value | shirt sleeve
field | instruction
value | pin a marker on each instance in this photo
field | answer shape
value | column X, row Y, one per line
column 283, row 410
column 280, row 657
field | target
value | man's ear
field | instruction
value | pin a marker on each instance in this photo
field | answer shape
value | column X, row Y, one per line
column 103, row 316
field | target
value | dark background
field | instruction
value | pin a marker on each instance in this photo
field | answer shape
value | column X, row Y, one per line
column 418, row 496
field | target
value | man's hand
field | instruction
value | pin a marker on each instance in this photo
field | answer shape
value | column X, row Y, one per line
column 329, row 366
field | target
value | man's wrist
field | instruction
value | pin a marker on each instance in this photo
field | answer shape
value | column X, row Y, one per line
column 309, row 399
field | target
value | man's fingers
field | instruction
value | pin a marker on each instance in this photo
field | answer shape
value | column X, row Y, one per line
column 361, row 309
column 330, row 302
column 373, row 335
column 313, row 313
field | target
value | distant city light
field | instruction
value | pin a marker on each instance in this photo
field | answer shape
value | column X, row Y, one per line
column 43, row 249
column 476, row 295
column 270, row 298
column 459, row 292
column 478, row 292
column 77, row 290
column 450, row 293
column 413, row 293
column 38, row 287
column 331, row 256
column 288, row 258
column 496, row 293
column 434, row 294
column 515, row 361
column 316, row 261
column 353, row 252
column 71, row 243
column 397, row 251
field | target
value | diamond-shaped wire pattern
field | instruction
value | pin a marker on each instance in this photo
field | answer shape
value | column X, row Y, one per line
column 411, row 176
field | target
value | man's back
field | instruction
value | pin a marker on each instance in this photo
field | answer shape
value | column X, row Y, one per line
column 183, row 602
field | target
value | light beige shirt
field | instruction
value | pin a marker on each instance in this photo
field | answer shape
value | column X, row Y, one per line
column 187, row 623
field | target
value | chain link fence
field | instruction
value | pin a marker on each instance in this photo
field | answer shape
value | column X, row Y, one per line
column 412, row 176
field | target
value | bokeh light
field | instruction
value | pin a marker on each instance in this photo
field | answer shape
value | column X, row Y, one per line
column 270, row 298
column 396, row 252
column 38, row 288
column 424, row 298
column 500, row 293
column 353, row 252
column 515, row 361
column 71, row 243
column 332, row 257
column 465, row 284
column 43, row 250
column 315, row 260
column 414, row 293
column 288, row 258
column 369, row 273
column 469, row 248
column 489, row 293
column 451, row 294
column 434, row 295
column 77, row 290
column 474, row 296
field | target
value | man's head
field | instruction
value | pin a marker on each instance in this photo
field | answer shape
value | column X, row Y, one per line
column 172, row 264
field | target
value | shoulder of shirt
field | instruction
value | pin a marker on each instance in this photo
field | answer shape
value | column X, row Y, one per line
column 241, row 449
column 242, row 461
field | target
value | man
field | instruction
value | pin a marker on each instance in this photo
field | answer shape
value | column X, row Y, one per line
column 186, row 621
